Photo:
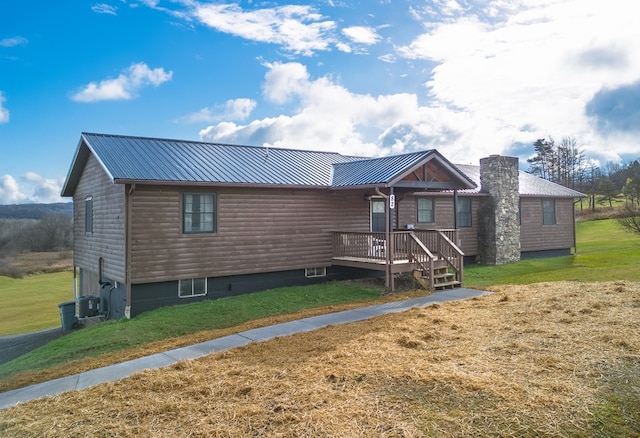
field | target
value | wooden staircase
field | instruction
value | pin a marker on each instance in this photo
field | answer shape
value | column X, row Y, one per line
column 439, row 271
column 443, row 278
column 435, row 260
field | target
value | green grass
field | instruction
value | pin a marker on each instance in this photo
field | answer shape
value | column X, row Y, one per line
column 170, row 322
column 605, row 252
column 31, row 303
column 618, row 412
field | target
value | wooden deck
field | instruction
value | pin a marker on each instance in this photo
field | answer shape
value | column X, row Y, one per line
column 431, row 254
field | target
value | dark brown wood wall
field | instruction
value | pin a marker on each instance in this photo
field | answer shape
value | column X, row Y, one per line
column 107, row 239
column 258, row 230
column 534, row 236
column 444, row 219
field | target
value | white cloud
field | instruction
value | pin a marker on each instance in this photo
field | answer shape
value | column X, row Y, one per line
column 31, row 188
column 13, row 41
column 42, row 189
column 298, row 28
column 4, row 113
column 10, row 192
column 534, row 64
column 125, row 86
column 103, row 8
column 343, row 47
column 330, row 117
column 234, row 109
column 361, row 35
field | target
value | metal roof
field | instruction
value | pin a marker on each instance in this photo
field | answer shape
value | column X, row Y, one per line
column 152, row 159
column 375, row 170
column 529, row 185
column 149, row 160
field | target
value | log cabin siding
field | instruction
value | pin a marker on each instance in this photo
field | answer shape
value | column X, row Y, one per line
column 534, row 236
column 107, row 241
column 444, row 215
column 258, row 230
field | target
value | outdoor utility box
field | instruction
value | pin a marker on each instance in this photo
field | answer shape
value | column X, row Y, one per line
column 68, row 315
column 87, row 306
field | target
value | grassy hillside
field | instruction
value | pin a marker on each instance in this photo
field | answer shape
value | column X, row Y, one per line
column 605, row 252
column 31, row 303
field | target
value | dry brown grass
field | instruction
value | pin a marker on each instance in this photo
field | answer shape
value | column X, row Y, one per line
column 524, row 361
column 35, row 263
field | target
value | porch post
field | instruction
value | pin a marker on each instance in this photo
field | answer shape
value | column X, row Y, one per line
column 388, row 275
column 389, row 236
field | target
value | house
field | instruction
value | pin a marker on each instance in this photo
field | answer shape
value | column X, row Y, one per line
column 159, row 222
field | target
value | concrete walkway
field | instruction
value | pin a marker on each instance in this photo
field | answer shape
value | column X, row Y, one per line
column 159, row 360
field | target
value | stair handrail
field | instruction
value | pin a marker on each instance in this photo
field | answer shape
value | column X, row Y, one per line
column 430, row 258
column 458, row 255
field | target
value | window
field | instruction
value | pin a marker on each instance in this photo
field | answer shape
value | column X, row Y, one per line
column 548, row 212
column 195, row 287
column 199, row 213
column 425, row 211
column 315, row 272
column 463, row 212
column 88, row 215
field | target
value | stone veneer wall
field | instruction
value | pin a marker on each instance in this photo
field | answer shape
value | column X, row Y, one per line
column 498, row 225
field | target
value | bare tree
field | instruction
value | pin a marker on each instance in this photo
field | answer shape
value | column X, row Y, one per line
column 631, row 218
column 562, row 163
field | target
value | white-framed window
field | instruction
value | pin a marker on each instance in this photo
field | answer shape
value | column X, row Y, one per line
column 315, row 272
column 88, row 215
column 548, row 211
column 193, row 287
column 425, row 211
column 463, row 212
column 199, row 213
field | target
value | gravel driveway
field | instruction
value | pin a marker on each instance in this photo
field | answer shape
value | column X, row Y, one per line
column 16, row 345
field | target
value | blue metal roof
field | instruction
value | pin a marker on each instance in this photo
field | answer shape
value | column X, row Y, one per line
column 529, row 185
column 143, row 159
column 151, row 159
column 375, row 170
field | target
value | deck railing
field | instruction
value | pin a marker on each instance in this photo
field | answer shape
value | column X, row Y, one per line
column 443, row 244
column 359, row 245
column 419, row 247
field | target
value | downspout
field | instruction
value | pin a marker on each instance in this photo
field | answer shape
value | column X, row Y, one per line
column 128, row 240
column 388, row 281
column 75, row 283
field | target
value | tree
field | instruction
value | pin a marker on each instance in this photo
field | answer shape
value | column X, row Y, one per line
column 607, row 189
column 630, row 220
column 631, row 189
column 563, row 164
column 541, row 162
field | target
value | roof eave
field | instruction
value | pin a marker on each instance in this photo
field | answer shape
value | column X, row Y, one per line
column 80, row 158
column 218, row 184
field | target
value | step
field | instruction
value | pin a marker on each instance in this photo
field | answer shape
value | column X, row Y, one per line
column 447, row 285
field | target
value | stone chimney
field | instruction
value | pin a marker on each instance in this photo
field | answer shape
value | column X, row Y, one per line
column 498, row 224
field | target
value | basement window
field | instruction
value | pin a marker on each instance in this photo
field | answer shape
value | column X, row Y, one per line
column 315, row 272
column 193, row 287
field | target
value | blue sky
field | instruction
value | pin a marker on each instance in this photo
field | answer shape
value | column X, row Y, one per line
column 469, row 78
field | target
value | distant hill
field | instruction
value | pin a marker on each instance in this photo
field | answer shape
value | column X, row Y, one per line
column 35, row 211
